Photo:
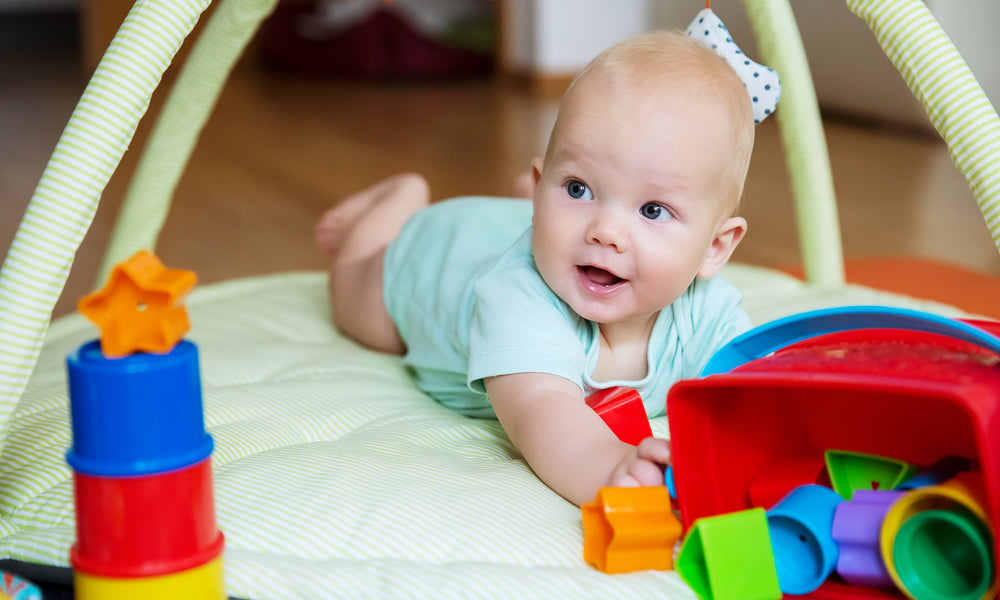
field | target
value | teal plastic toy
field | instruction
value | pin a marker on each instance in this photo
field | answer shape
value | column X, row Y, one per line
column 801, row 529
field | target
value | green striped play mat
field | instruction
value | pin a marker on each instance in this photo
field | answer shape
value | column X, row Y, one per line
column 334, row 477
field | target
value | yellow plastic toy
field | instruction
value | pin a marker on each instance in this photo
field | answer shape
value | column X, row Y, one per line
column 204, row 582
column 630, row 529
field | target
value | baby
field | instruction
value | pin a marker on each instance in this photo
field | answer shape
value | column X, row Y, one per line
column 517, row 310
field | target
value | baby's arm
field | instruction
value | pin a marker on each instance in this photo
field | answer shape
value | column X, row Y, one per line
column 565, row 442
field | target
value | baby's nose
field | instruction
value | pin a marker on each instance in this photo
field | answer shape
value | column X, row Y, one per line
column 609, row 228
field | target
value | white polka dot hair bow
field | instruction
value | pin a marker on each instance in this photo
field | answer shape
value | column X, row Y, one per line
column 762, row 83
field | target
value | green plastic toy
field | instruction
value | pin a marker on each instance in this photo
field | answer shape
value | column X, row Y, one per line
column 945, row 554
column 851, row 471
column 728, row 557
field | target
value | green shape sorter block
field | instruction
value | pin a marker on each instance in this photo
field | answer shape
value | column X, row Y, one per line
column 852, row 471
column 729, row 557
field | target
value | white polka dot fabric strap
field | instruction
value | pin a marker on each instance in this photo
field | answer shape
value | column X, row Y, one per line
column 762, row 82
column 956, row 104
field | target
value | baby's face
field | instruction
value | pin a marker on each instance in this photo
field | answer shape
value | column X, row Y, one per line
column 631, row 195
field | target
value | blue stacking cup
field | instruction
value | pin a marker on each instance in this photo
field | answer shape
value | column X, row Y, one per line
column 801, row 527
column 137, row 415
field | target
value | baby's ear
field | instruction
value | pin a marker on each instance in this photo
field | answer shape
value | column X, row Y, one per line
column 726, row 239
column 537, row 165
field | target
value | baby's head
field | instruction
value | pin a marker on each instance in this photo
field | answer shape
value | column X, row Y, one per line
column 642, row 176
column 652, row 69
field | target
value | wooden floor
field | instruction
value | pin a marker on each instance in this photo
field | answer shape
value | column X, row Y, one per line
column 279, row 150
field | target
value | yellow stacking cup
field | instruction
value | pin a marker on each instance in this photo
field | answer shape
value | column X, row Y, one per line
column 203, row 582
column 963, row 494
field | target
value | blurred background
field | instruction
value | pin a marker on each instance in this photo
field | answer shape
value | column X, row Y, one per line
column 335, row 94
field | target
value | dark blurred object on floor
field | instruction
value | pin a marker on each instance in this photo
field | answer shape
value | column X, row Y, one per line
column 380, row 40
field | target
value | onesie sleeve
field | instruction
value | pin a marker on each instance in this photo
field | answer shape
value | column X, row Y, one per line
column 519, row 326
column 709, row 318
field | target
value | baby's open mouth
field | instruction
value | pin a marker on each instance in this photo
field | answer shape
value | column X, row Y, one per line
column 600, row 276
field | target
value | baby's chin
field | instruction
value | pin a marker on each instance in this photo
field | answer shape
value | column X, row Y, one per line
column 607, row 314
column 610, row 313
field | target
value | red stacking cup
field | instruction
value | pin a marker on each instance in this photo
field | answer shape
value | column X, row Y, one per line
column 145, row 525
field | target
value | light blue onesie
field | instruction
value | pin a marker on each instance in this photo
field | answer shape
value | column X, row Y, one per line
column 462, row 287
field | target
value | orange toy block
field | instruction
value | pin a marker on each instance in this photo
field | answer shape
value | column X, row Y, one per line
column 630, row 529
column 141, row 308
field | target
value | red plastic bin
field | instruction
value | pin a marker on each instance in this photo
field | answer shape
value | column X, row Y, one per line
column 145, row 525
column 909, row 395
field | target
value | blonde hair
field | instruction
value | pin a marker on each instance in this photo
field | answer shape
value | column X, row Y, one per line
column 662, row 56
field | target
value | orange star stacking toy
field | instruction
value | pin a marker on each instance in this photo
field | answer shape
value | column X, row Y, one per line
column 141, row 307
column 141, row 457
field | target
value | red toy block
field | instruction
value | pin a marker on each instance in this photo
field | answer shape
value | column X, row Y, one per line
column 776, row 479
column 622, row 409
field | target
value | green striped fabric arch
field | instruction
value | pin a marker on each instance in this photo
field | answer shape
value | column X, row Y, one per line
column 938, row 76
column 64, row 203
column 191, row 100
column 803, row 140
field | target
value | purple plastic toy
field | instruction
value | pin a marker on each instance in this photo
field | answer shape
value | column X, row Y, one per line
column 856, row 527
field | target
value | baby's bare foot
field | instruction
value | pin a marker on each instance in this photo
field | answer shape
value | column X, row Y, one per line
column 333, row 225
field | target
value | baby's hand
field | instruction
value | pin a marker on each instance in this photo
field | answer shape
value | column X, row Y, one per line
column 643, row 466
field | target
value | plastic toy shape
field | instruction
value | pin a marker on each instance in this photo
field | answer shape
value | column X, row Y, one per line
column 668, row 480
column 856, row 528
column 941, row 471
column 769, row 337
column 630, row 529
column 145, row 525
column 13, row 587
column 137, row 415
column 782, row 476
column 622, row 410
column 204, row 582
column 801, row 528
column 728, row 557
column 962, row 494
column 945, row 554
column 852, row 471
column 140, row 309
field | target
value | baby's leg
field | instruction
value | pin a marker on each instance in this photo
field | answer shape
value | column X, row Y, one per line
column 354, row 235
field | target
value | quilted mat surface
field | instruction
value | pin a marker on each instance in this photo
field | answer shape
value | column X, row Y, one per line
column 334, row 477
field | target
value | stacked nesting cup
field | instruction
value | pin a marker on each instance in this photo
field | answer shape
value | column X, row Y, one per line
column 145, row 511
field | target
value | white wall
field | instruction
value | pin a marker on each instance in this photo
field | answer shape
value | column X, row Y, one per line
column 849, row 69
column 972, row 26
column 558, row 37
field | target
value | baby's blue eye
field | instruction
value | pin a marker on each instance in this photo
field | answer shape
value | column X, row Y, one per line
column 655, row 212
column 579, row 190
